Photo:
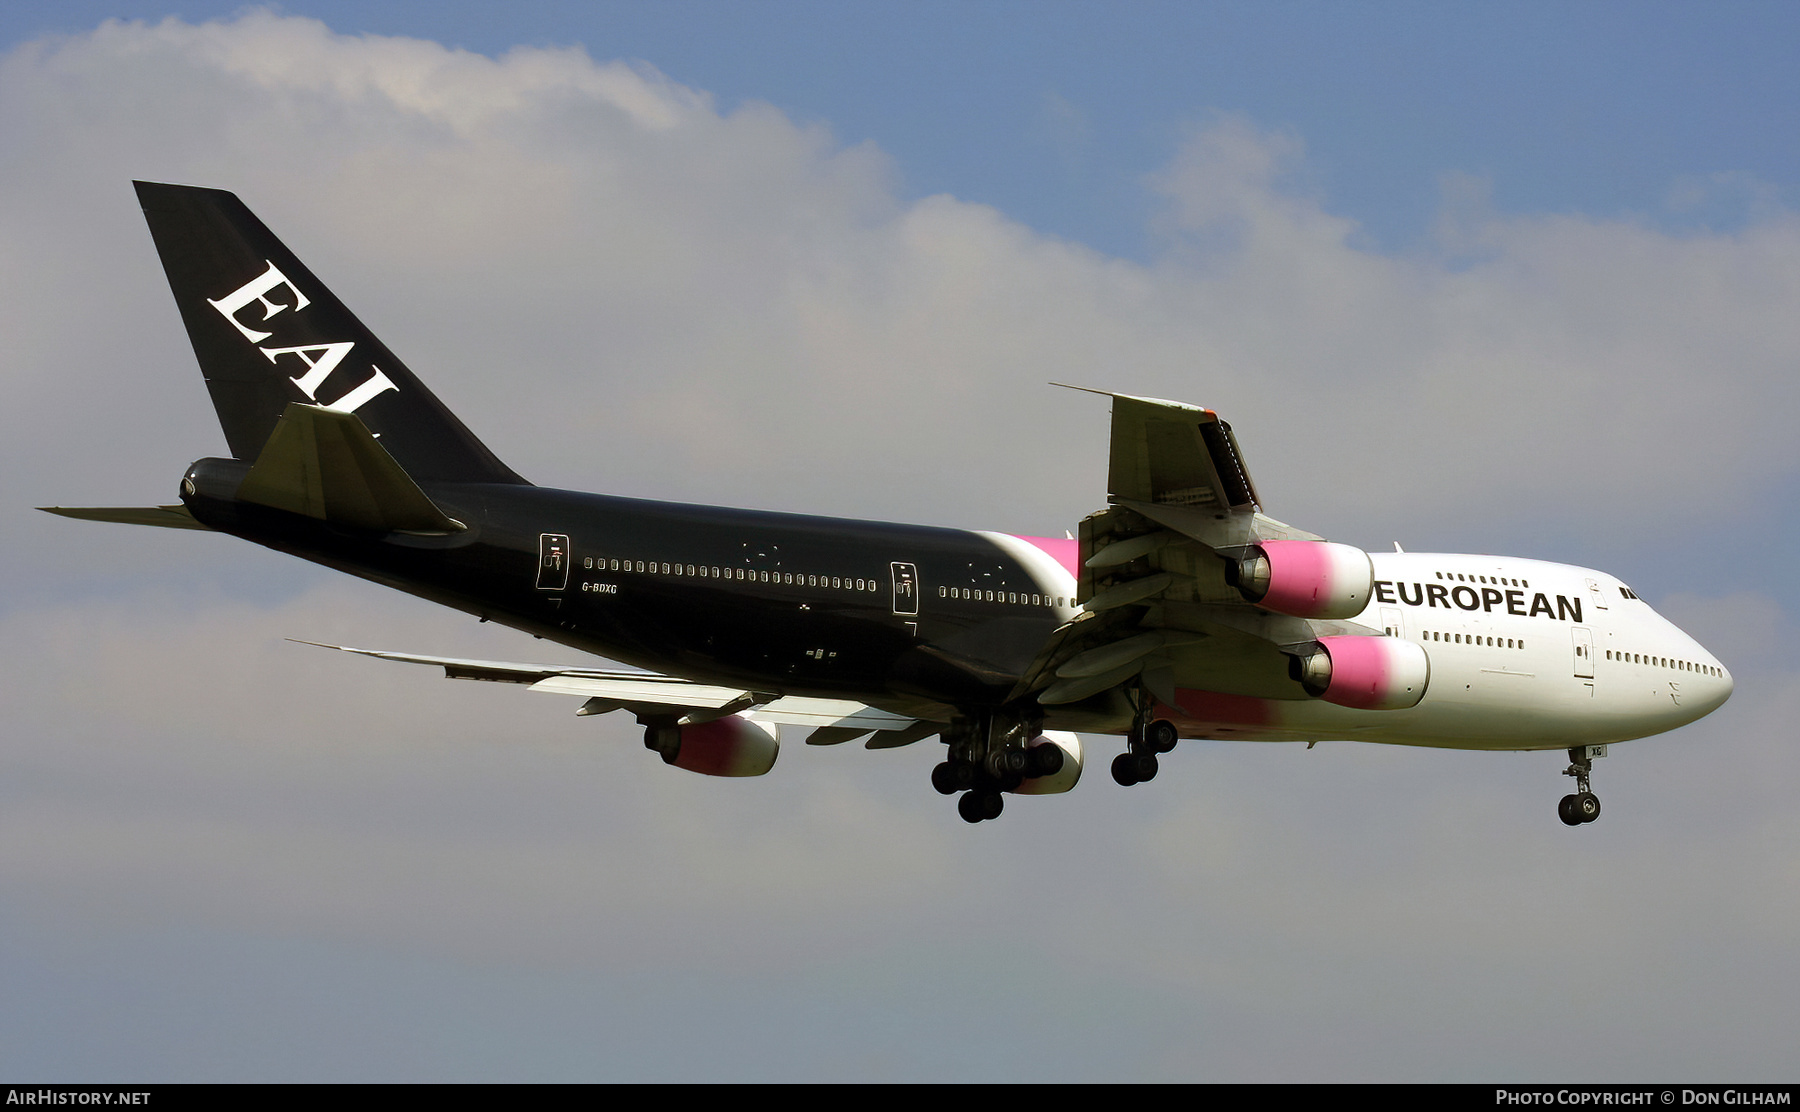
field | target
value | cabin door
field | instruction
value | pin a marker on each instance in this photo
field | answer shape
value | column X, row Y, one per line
column 1584, row 652
column 906, row 589
column 553, row 561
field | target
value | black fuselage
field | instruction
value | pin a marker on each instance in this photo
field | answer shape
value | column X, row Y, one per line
column 766, row 601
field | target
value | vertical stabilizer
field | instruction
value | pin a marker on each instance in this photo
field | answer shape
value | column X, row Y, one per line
column 268, row 333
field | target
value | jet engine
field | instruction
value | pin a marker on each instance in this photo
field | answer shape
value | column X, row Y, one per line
column 729, row 746
column 1367, row 673
column 1308, row 579
column 1060, row 754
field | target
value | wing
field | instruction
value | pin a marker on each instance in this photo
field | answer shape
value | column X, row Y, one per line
column 653, row 695
column 1158, row 604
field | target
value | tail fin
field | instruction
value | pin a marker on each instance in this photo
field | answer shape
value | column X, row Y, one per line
column 267, row 333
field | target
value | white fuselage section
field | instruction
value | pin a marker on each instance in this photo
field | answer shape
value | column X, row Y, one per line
column 1524, row 654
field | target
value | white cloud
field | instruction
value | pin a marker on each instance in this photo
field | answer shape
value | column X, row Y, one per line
column 625, row 288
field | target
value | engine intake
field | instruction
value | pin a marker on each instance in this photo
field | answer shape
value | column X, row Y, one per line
column 1367, row 673
column 1308, row 579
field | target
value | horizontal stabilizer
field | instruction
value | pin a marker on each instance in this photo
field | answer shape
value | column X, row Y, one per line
column 169, row 517
column 325, row 464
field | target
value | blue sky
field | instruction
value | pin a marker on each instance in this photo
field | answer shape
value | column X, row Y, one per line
column 1054, row 112
column 1515, row 278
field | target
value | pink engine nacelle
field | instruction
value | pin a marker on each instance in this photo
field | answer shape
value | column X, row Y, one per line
column 730, row 746
column 1367, row 673
column 1308, row 579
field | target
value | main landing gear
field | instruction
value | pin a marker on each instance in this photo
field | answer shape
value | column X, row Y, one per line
column 1584, row 805
column 989, row 755
column 1138, row 763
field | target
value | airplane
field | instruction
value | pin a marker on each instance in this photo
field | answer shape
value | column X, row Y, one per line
column 1180, row 610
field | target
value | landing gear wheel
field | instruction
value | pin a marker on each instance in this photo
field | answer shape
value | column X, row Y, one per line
column 1160, row 736
column 1587, row 806
column 1144, row 767
column 978, row 804
column 1046, row 760
column 1565, row 811
column 1124, row 770
column 943, row 778
column 970, row 808
column 1584, row 805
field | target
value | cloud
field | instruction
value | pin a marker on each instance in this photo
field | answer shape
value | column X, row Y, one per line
column 622, row 287
column 629, row 289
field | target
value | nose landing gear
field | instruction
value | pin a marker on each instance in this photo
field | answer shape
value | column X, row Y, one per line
column 1583, row 806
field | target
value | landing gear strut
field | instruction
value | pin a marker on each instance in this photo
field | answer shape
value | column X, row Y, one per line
column 1147, row 738
column 1584, row 805
column 988, row 755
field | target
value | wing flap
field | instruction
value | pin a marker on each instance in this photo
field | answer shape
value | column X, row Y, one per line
column 800, row 710
column 650, row 688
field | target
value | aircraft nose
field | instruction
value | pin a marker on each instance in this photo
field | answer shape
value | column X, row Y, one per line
column 1708, row 683
column 1714, row 690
